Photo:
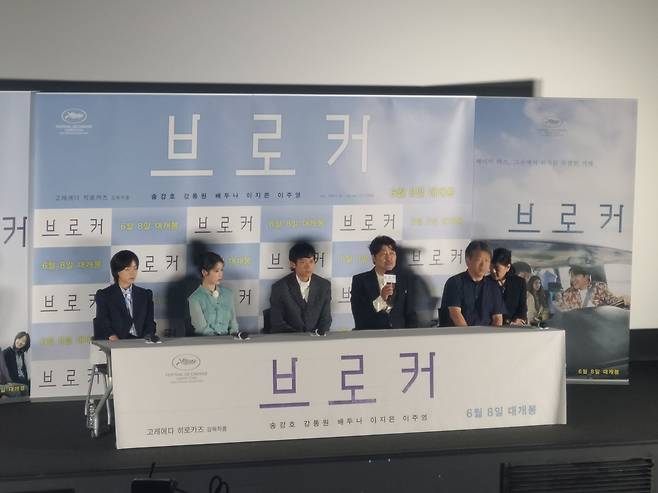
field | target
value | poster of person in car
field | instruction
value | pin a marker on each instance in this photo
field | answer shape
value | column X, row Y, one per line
column 553, row 182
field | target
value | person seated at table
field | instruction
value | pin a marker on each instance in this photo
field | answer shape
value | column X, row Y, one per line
column 14, row 358
column 538, row 311
column 512, row 287
column 212, row 310
column 301, row 301
column 123, row 309
column 472, row 297
column 377, row 301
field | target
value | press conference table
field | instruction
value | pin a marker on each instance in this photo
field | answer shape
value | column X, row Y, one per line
column 200, row 390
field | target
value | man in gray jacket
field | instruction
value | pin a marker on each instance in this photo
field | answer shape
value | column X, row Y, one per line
column 301, row 301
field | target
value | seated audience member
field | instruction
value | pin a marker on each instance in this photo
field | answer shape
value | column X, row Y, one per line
column 14, row 358
column 124, row 310
column 585, row 293
column 301, row 301
column 378, row 302
column 212, row 309
column 472, row 297
column 512, row 287
column 538, row 311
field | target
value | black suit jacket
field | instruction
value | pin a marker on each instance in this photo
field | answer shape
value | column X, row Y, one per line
column 365, row 290
column 516, row 298
column 12, row 367
column 113, row 318
column 290, row 313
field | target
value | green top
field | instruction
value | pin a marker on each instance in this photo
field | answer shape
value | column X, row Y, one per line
column 210, row 315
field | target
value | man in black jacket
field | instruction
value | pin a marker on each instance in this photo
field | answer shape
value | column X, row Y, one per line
column 381, row 297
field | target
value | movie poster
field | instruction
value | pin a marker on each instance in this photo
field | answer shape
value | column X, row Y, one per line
column 14, row 274
column 553, row 182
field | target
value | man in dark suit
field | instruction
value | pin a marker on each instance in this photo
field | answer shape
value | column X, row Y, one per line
column 301, row 301
column 123, row 310
column 381, row 297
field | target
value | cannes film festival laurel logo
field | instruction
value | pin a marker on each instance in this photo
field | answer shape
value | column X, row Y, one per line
column 74, row 115
column 185, row 362
column 73, row 122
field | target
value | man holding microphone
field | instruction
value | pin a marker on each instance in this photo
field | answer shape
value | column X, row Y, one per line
column 381, row 298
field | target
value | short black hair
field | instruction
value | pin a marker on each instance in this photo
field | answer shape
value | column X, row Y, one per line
column 578, row 270
column 477, row 246
column 502, row 256
column 120, row 261
column 521, row 266
column 208, row 260
column 27, row 341
column 301, row 249
column 380, row 242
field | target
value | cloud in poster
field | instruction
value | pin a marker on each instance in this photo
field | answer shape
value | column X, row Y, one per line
column 598, row 132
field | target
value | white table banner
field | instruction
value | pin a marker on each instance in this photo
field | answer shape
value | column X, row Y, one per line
column 216, row 390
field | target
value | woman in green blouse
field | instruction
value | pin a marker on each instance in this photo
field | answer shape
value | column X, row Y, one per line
column 211, row 306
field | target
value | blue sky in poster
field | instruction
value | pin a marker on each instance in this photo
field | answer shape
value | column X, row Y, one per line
column 563, row 156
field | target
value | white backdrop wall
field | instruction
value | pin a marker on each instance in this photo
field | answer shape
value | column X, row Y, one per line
column 590, row 48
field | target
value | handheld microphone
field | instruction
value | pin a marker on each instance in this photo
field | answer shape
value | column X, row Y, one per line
column 389, row 277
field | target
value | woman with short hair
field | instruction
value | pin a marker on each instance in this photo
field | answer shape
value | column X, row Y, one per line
column 512, row 287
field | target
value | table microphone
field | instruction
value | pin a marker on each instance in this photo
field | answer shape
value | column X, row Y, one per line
column 152, row 338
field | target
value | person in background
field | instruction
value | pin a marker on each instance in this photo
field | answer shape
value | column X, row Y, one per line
column 14, row 358
column 472, row 297
column 557, row 302
column 212, row 309
column 382, row 297
column 538, row 311
column 512, row 287
column 522, row 269
column 301, row 301
column 124, row 310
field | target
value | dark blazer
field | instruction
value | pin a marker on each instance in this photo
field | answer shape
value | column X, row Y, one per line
column 12, row 368
column 113, row 318
column 4, row 372
column 516, row 298
column 365, row 290
column 290, row 313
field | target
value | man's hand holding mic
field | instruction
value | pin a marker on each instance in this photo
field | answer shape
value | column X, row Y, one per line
column 389, row 287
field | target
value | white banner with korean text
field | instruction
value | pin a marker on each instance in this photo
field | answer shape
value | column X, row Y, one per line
column 247, row 175
column 14, row 271
column 244, row 176
column 219, row 390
